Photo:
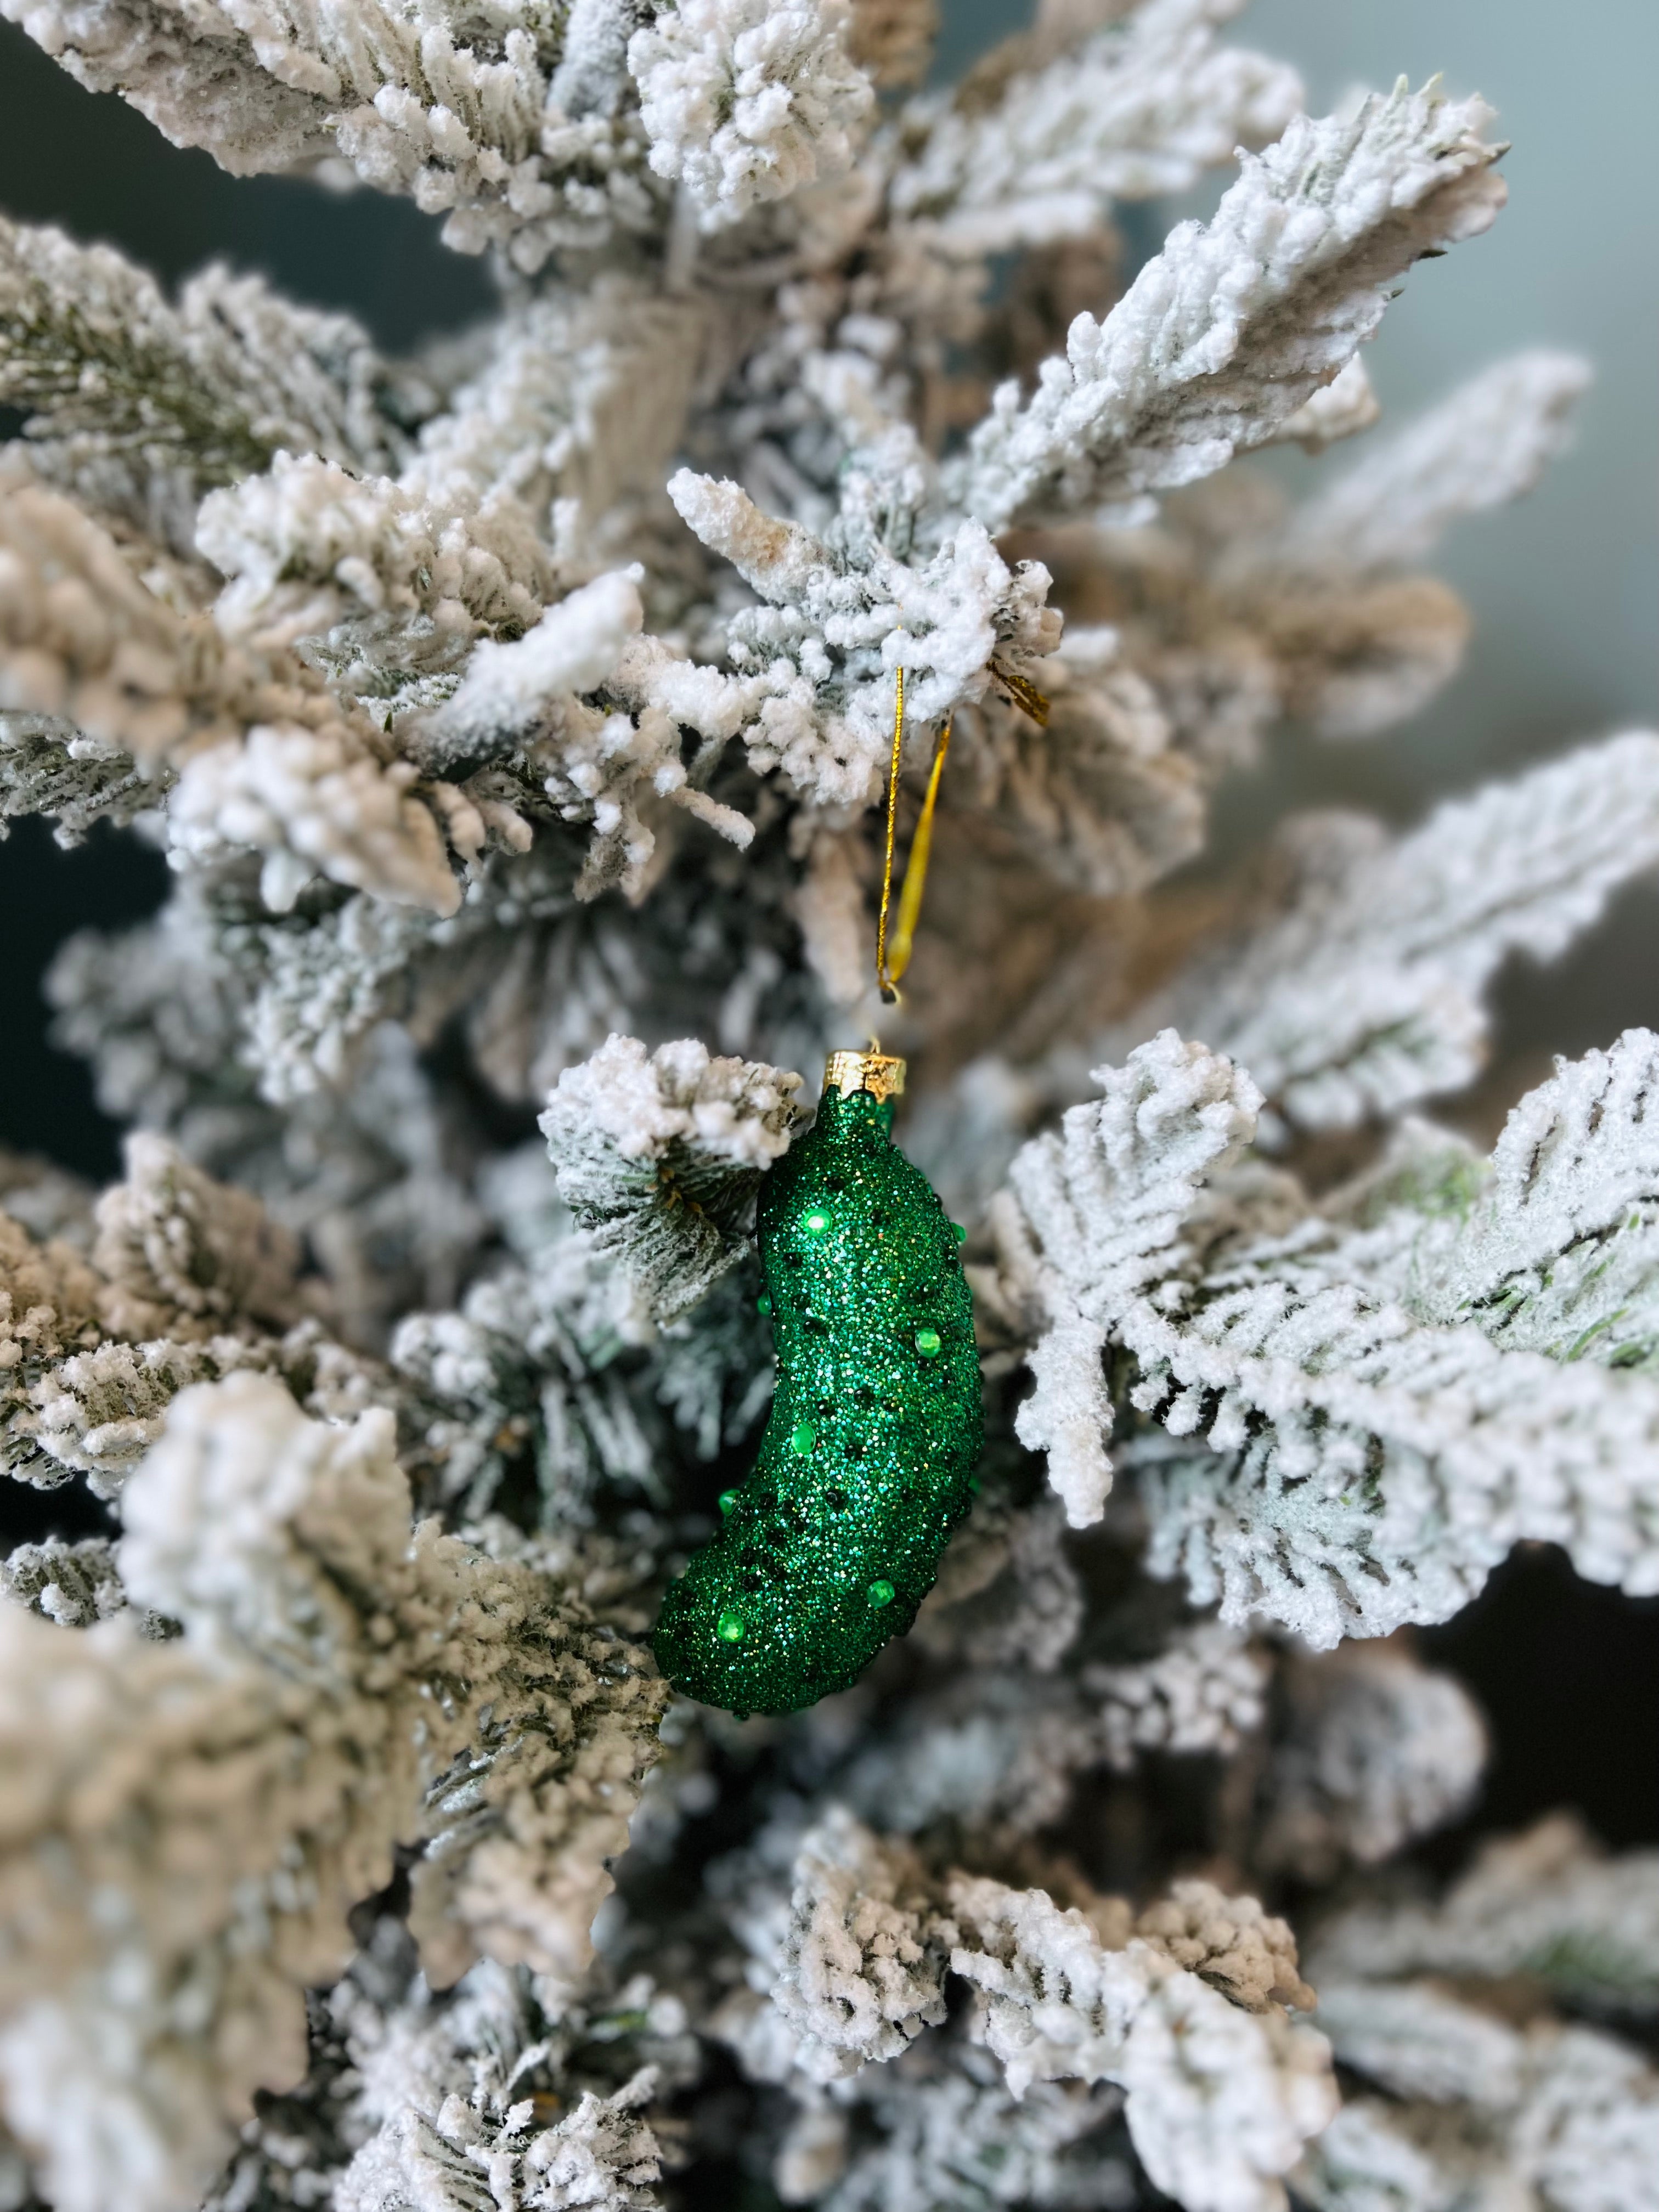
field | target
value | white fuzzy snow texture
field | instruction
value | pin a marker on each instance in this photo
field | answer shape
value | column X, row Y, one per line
column 297, row 1718
column 746, row 100
column 639, row 1141
column 1108, row 1195
column 1192, row 365
column 1145, row 106
column 1184, row 2008
column 1373, row 1453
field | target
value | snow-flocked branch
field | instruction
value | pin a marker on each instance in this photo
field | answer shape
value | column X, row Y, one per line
column 417, row 672
column 522, row 129
column 1141, row 107
column 1471, row 2098
column 139, row 407
column 747, row 100
column 659, row 1157
column 1234, row 326
column 1182, row 2007
column 1372, row 1453
column 838, row 620
column 1488, row 444
column 339, row 1688
column 1364, row 993
column 1374, row 1750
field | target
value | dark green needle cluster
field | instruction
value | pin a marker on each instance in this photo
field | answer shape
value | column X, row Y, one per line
column 832, row 1543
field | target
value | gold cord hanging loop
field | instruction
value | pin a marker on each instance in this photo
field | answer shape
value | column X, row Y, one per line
column 884, row 981
column 915, row 868
column 890, row 963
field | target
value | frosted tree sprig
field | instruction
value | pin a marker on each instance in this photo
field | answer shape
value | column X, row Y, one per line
column 744, row 102
column 1374, row 1750
column 989, row 1748
column 1370, row 1461
column 141, row 407
column 1555, row 1251
column 1362, row 993
column 839, row 618
column 659, row 1157
column 1142, row 106
column 273, row 763
column 346, row 667
column 1550, row 1904
column 48, row 767
column 1174, row 2007
column 1108, row 1198
column 74, row 1584
column 1471, row 2098
column 602, row 2153
column 485, row 2086
column 1060, row 1994
column 936, row 2131
column 1567, row 2115
column 316, row 1633
column 1203, row 1693
column 1359, row 640
column 48, row 1311
column 861, row 1971
column 1233, row 610
column 1053, row 2001
column 187, row 1280
column 1488, row 443
column 1311, row 239
column 475, row 127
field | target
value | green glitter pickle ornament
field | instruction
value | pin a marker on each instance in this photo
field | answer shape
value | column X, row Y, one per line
column 868, row 1461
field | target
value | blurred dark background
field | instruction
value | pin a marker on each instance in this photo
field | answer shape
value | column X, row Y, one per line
column 1564, row 590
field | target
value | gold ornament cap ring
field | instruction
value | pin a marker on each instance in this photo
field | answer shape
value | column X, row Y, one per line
column 882, row 1073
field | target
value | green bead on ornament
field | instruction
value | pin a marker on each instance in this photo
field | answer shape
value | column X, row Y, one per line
column 866, row 1466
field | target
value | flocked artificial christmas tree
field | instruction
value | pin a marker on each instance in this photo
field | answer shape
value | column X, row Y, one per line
column 517, row 721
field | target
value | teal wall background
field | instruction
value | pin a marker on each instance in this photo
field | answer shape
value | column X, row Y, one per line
column 1565, row 588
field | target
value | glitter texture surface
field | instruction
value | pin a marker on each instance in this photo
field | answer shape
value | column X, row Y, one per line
column 834, row 1541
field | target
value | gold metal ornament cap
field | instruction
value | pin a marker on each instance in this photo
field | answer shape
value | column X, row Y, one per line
column 880, row 1073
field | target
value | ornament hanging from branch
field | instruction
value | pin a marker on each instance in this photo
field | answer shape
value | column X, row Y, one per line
column 868, row 1461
